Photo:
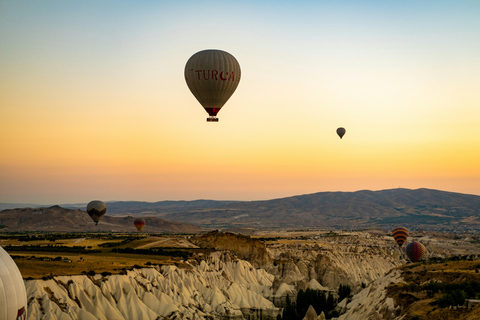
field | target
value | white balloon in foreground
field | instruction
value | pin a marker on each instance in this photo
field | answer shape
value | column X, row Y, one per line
column 13, row 296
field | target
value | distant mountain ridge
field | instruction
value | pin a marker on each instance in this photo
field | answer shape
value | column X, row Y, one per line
column 419, row 208
column 58, row 219
column 132, row 207
column 415, row 209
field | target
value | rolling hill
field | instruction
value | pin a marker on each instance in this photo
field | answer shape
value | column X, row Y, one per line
column 429, row 209
column 420, row 208
column 58, row 219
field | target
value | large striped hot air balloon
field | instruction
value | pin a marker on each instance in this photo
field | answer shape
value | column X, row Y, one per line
column 139, row 224
column 212, row 76
column 96, row 209
column 13, row 296
column 415, row 251
column 400, row 235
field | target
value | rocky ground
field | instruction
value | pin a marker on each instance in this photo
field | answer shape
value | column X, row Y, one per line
column 217, row 287
column 245, row 278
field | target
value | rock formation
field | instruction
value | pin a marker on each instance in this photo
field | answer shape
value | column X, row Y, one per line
column 355, row 261
column 311, row 314
column 372, row 302
column 244, row 247
column 222, row 286
column 217, row 288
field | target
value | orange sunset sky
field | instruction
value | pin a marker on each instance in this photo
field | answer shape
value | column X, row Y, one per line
column 94, row 104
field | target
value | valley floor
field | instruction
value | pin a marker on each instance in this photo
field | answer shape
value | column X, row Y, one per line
column 272, row 266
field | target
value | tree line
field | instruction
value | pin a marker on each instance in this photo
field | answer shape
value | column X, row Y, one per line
column 50, row 248
column 318, row 299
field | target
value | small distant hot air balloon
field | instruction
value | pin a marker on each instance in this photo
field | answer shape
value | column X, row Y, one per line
column 415, row 251
column 13, row 296
column 212, row 76
column 96, row 209
column 400, row 235
column 341, row 131
column 139, row 224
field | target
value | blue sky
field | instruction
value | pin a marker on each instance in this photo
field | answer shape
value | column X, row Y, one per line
column 94, row 91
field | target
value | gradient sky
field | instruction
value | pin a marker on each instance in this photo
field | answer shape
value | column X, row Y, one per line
column 94, row 105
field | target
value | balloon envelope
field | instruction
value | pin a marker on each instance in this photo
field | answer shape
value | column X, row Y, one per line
column 139, row 224
column 400, row 234
column 13, row 296
column 415, row 251
column 96, row 210
column 341, row 131
column 212, row 76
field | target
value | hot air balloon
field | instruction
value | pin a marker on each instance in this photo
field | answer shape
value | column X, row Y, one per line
column 139, row 224
column 212, row 76
column 13, row 296
column 415, row 251
column 400, row 234
column 341, row 131
column 96, row 209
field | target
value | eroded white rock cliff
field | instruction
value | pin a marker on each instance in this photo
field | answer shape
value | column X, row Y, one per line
column 357, row 261
column 218, row 288
column 372, row 302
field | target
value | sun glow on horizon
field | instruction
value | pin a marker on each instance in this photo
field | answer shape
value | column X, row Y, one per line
column 95, row 105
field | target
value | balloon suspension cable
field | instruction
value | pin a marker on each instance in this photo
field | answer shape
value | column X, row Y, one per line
column 212, row 119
